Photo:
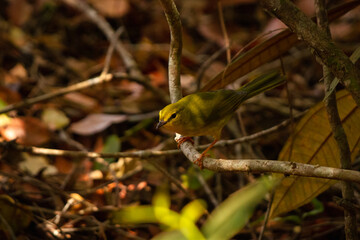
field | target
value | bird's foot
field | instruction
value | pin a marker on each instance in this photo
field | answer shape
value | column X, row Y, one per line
column 182, row 140
column 200, row 159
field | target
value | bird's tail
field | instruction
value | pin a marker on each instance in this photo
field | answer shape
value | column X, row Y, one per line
column 262, row 83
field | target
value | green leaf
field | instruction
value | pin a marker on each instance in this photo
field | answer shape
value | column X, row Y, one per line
column 54, row 118
column 162, row 198
column 2, row 103
column 229, row 217
column 193, row 210
column 318, row 208
column 161, row 213
column 134, row 214
column 112, row 145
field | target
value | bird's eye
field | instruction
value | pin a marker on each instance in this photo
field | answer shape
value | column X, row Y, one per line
column 173, row 115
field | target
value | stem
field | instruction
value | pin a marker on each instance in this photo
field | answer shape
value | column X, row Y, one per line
column 337, row 129
column 173, row 18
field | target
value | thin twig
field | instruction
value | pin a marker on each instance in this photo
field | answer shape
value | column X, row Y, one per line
column 105, row 27
column 267, row 215
column 207, row 64
column 142, row 153
column 7, row 228
column 207, row 189
column 224, row 32
column 223, row 165
column 110, row 51
column 254, row 136
column 173, row 19
column 171, row 178
column 338, row 130
column 76, row 87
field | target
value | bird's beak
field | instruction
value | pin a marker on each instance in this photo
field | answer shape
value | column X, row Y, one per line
column 160, row 124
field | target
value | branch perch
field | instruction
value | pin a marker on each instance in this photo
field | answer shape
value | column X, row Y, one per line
column 218, row 165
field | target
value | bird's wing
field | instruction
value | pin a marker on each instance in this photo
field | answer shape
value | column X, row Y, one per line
column 228, row 102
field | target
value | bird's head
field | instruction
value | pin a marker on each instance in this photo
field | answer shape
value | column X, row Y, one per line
column 170, row 117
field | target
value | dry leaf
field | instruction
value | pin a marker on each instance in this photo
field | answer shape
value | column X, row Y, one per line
column 9, row 96
column 265, row 52
column 33, row 164
column 63, row 165
column 16, row 76
column 82, row 101
column 111, row 8
column 26, row 130
column 95, row 123
column 313, row 143
column 19, row 11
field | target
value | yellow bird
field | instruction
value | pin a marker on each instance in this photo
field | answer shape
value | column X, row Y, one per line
column 206, row 113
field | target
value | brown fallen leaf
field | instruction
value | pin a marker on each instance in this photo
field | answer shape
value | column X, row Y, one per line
column 19, row 11
column 28, row 131
column 9, row 96
column 111, row 8
column 313, row 143
column 95, row 123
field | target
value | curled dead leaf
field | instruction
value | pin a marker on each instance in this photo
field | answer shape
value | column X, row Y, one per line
column 95, row 123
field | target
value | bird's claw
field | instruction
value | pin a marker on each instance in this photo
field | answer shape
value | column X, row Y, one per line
column 200, row 160
column 182, row 140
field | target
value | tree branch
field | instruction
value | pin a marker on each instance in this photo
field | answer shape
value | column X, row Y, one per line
column 173, row 19
column 76, row 87
column 321, row 44
column 218, row 165
column 337, row 129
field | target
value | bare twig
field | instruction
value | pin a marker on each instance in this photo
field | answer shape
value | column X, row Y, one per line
column 267, row 215
column 207, row 189
column 338, row 130
column 76, row 87
column 252, row 137
column 221, row 165
column 7, row 228
column 173, row 18
column 176, row 182
column 110, row 51
column 105, row 27
column 346, row 204
column 142, row 153
column 174, row 22
column 207, row 64
column 224, row 32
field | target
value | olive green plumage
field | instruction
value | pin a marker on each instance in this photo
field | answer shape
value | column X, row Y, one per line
column 206, row 113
